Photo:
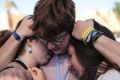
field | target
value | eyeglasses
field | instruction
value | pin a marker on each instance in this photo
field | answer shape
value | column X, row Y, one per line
column 56, row 40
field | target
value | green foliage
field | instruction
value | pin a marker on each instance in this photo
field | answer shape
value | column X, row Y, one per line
column 116, row 9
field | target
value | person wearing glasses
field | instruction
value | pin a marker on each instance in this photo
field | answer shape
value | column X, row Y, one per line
column 31, row 53
column 51, row 18
column 86, row 61
column 52, row 21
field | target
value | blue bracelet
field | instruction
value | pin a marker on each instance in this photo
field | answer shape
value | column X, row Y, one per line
column 16, row 36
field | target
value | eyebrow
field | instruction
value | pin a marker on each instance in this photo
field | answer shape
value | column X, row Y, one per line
column 60, row 36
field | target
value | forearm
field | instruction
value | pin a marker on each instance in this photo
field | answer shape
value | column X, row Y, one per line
column 8, row 51
column 109, row 49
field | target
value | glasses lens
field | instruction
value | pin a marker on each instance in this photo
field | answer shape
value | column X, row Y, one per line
column 59, row 39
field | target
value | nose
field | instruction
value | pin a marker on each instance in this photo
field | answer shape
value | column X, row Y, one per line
column 50, row 46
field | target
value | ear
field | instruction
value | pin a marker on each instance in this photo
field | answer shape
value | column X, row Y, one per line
column 30, row 42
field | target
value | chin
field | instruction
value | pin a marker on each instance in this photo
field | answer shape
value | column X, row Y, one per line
column 58, row 52
column 44, row 63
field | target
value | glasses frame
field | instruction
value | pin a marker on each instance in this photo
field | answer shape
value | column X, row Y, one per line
column 56, row 40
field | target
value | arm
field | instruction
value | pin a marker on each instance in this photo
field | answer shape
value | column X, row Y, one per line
column 8, row 50
column 109, row 49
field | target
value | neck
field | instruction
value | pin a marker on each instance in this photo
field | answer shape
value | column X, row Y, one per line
column 28, row 60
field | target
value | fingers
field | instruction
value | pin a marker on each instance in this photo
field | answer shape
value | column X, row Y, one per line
column 35, row 71
column 32, row 72
column 29, row 20
column 37, row 74
column 80, row 27
column 28, row 17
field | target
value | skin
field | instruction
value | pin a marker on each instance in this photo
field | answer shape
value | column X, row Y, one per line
column 37, row 74
column 26, row 23
column 111, row 53
column 59, row 49
column 38, row 56
column 24, row 30
column 79, row 70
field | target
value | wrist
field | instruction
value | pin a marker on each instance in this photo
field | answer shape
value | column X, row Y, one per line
column 86, row 32
column 92, row 37
column 20, row 34
column 17, row 36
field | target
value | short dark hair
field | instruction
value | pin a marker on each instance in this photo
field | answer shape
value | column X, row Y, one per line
column 51, row 17
column 89, row 57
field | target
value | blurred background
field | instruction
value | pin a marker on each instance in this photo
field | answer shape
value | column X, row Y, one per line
column 106, row 12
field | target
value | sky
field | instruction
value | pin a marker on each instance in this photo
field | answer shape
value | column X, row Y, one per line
column 82, row 6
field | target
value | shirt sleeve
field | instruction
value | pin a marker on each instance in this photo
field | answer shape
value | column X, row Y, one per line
column 110, row 75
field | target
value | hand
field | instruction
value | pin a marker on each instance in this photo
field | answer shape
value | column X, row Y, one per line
column 37, row 74
column 25, row 28
column 80, row 27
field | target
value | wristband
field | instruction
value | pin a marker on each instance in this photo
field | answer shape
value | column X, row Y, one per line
column 92, row 37
column 16, row 36
column 86, row 32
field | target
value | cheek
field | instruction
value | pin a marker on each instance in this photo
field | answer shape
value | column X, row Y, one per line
column 77, row 66
column 42, row 56
column 74, row 60
column 40, row 50
column 65, row 42
column 75, row 63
